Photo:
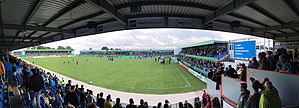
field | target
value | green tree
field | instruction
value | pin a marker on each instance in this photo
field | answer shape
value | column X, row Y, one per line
column 69, row 48
column 111, row 49
column 90, row 48
column 105, row 48
column 60, row 47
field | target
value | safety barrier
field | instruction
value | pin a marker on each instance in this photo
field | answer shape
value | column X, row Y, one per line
column 211, row 89
column 286, row 84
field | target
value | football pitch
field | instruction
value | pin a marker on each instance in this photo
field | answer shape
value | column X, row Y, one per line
column 123, row 74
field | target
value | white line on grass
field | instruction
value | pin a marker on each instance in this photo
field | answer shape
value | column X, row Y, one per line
column 188, row 84
column 105, row 83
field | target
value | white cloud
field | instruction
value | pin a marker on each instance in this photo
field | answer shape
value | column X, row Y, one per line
column 145, row 39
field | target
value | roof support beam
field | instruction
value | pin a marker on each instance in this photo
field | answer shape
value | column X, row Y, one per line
column 246, row 18
column 173, row 3
column 281, row 31
column 63, row 11
column 283, row 26
column 82, row 18
column 259, row 9
column 30, row 35
column 295, row 30
column 15, row 37
column 166, row 15
column 290, row 6
column 288, row 35
column 39, row 37
column 104, row 5
column 34, row 28
column 232, row 6
column 38, row 4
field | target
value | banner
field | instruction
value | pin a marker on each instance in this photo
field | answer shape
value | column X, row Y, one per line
column 244, row 49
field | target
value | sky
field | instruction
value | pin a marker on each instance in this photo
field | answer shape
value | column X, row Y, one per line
column 160, row 38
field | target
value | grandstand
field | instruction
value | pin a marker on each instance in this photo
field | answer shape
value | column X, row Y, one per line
column 26, row 23
column 128, row 53
column 47, row 52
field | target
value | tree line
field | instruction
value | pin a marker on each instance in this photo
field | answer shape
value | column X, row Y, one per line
column 45, row 47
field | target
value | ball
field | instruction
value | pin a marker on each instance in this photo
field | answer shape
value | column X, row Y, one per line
column 90, row 82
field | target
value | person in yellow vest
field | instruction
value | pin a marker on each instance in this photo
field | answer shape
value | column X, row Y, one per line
column 62, row 82
column 108, row 103
column 269, row 98
column 2, row 70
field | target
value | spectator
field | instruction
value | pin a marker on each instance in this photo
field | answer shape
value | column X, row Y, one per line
column 197, row 103
column 92, row 105
column 2, row 70
column 264, row 62
column 35, row 86
column 89, row 97
column 260, row 86
column 108, row 103
column 181, row 105
column 160, row 105
column 26, row 77
column 208, row 105
column 117, row 104
column 141, row 104
column 231, row 72
column 187, row 104
column 296, row 54
column 244, row 96
column 82, row 98
column 215, row 103
column 283, row 65
column 77, row 89
column 131, row 105
column 59, row 99
column 254, row 64
column 167, row 104
column 272, row 87
column 72, row 97
column 269, row 99
column 101, row 101
column 253, row 101
column 146, row 104
column 243, row 72
column 204, row 98
column 276, row 58
column 68, row 86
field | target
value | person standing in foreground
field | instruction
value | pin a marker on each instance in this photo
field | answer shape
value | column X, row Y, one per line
column 244, row 96
column 117, row 104
column 35, row 86
column 269, row 98
column 253, row 101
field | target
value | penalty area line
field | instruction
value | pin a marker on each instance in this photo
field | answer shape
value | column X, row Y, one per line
column 188, row 84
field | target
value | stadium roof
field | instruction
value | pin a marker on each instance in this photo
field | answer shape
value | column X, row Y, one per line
column 25, row 23
column 209, row 42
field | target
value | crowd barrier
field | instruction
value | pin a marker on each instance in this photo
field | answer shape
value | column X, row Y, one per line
column 286, row 84
column 230, row 90
column 211, row 89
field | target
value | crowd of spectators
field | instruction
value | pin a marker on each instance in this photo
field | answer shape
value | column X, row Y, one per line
column 130, row 53
column 50, row 53
column 265, row 95
column 41, row 88
column 281, row 61
column 203, row 51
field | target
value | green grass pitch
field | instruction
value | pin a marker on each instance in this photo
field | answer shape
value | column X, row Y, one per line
column 129, row 75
